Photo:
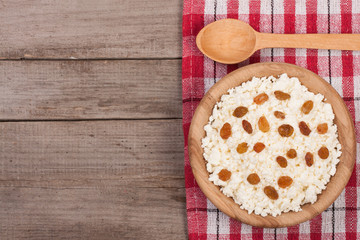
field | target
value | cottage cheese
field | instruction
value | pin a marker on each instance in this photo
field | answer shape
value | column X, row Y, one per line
column 307, row 181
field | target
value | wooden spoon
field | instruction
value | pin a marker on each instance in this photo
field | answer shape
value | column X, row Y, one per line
column 232, row 41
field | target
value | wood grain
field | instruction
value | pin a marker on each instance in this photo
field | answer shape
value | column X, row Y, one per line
column 342, row 120
column 92, row 180
column 90, row 89
column 311, row 41
column 90, row 29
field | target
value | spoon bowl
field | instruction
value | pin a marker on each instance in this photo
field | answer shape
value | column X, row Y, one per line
column 231, row 41
column 227, row 41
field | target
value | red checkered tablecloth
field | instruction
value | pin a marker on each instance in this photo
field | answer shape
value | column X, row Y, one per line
column 340, row 68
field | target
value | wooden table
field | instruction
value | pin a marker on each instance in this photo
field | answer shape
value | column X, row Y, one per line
column 91, row 143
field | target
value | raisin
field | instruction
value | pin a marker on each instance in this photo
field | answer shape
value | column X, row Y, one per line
column 240, row 112
column 281, row 95
column 284, row 181
column 309, row 158
column 242, row 147
column 304, row 128
column 263, row 124
column 261, row 98
column 323, row 153
column 307, row 107
column 271, row 192
column 279, row 115
column 224, row 175
column 322, row 128
column 225, row 131
column 247, row 126
column 291, row 153
column 258, row 147
column 281, row 161
column 286, row 130
column 253, row 179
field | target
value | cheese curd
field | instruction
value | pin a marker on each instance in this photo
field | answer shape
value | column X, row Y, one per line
column 308, row 181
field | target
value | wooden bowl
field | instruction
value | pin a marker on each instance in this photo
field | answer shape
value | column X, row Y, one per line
column 315, row 84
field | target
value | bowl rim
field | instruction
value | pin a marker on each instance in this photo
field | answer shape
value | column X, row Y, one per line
column 227, row 204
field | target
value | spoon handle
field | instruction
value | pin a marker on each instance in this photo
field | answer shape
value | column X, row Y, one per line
column 316, row 41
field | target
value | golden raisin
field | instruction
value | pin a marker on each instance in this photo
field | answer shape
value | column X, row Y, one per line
column 279, row 115
column 258, row 147
column 271, row 192
column 281, row 95
column 261, row 98
column 247, row 126
column 323, row 153
column 242, row 147
column 225, row 131
column 224, row 175
column 285, row 130
column 281, row 161
column 253, row 179
column 307, row 107
column 263, row 124
column 322, row 128
column 240, row 112
column 291, row 153
column 309, row 158
column 304, row 128
column 284, row 181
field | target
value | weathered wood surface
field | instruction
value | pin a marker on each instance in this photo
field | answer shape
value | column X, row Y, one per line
column 90, row 29
column 103, row 177
column 92, row 180
column 90, row 89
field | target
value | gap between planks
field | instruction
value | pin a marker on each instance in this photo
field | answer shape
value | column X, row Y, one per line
column 88, row 120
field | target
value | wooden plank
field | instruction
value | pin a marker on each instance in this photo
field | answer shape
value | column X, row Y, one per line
column 90, row 89
column 90, row 29
column 92, row 180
